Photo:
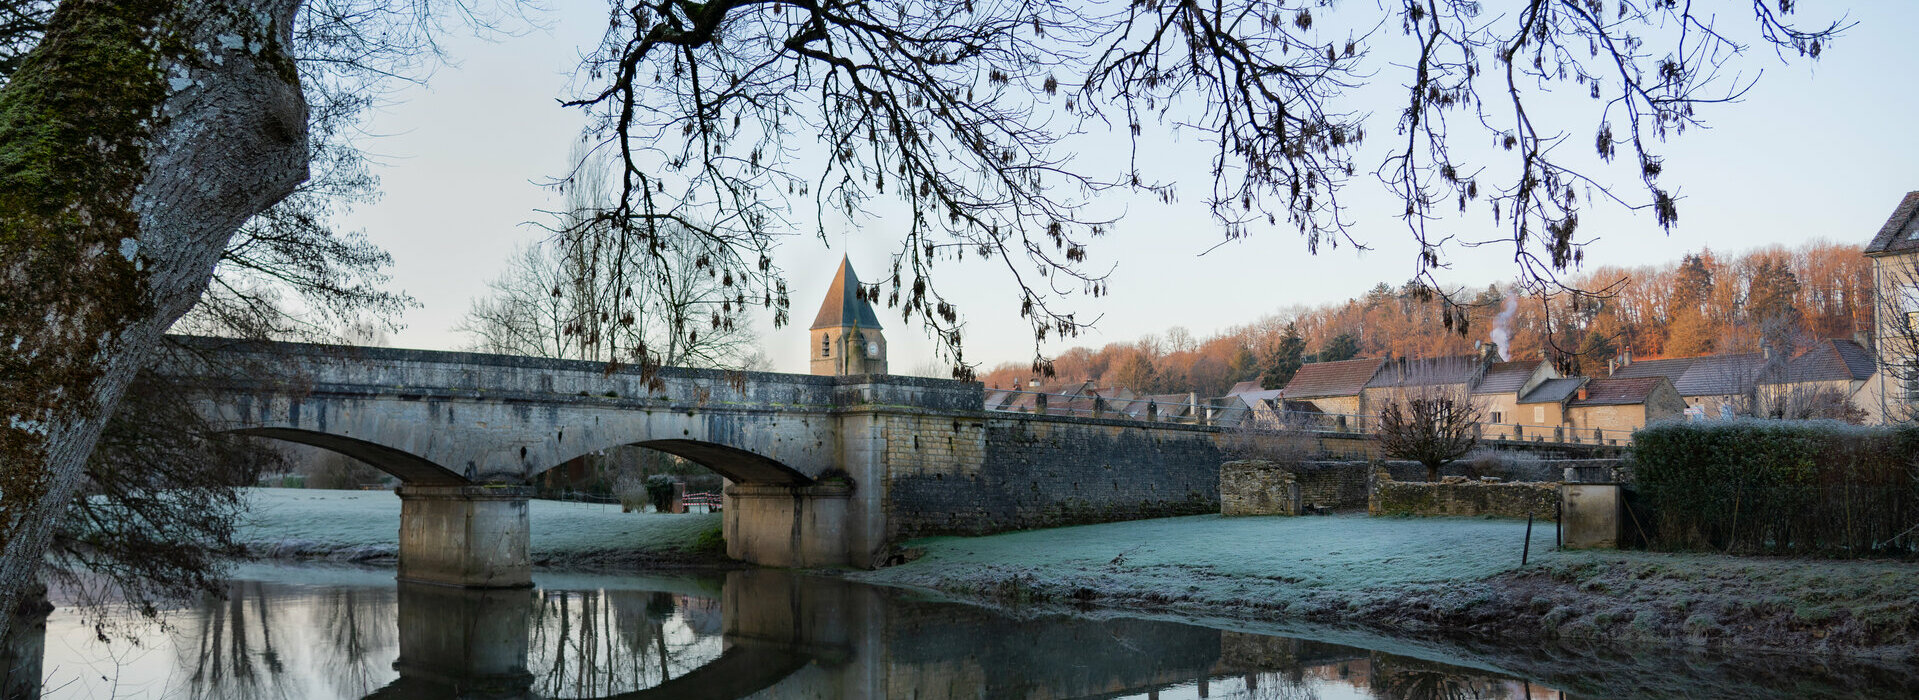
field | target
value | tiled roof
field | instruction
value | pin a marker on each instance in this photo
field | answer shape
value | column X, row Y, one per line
column 843, row 305
column 1342, row 378
column 1260, row 395
column 1245, row 388
column 1710, row 375
column 1617, row 391
column 1507, row 377
column 1831, row 360
column 1553, row 390
column 1428, row 371
column 1896, row 235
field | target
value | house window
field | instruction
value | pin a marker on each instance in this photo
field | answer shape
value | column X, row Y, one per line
column 826, row 345
column 1498, row 417
column 1539, row 415
column 1912, row 389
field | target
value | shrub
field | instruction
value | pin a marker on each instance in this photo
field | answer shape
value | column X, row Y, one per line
column 659, row 489
column 1802, row 487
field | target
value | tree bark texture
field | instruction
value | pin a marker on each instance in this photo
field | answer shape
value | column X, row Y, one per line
column 134, row 140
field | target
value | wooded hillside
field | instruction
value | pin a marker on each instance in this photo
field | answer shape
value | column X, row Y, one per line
column 1704, row 303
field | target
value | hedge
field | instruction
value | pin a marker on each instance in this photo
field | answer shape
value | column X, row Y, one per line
column 1768, row 486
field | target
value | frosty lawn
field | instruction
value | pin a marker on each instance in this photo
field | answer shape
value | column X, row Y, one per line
column 1214, row 555
column 1424, row 576
column 362, row 525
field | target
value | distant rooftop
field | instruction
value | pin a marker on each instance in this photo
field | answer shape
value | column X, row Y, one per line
column 1342, row 378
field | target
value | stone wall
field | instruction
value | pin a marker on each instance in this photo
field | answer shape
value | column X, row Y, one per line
column 1260, row 487
column 1460, row 496
column 1044, row 471
column 1257, row 487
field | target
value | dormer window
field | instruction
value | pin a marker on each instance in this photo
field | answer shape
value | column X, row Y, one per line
column 1912, row 229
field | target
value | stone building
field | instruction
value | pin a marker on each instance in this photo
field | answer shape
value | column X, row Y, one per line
column 1539, row 411
column 1424, row 377
column 1894, row 394
column 846, row 336
column 1498, row 393
column 1616, row 406
column 1335, row 387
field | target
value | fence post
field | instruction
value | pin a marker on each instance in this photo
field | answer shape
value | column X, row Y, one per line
column 1039, row 403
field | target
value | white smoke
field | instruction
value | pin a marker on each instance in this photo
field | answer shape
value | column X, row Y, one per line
column 1502, row 333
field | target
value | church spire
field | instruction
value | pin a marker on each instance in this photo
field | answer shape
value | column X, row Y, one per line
column 844, row 306
column 846, row 333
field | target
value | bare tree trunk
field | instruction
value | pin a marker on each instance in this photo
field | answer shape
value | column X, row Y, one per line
column 134, row 140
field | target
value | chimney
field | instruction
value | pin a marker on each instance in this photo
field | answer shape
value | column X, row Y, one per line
column 1612, row 366
column 1628, row 357
column 1582, row 393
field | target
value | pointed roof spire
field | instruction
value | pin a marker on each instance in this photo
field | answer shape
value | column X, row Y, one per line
column 843, row 305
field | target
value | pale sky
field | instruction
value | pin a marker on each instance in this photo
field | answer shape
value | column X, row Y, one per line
column 1816, row 150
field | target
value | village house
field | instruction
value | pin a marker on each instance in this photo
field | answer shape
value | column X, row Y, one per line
column 1429, row 377
column 1335, row 388
column 1833, row 379
column 1712, row 386
column 1893, row 395
column 1609, row 409
column 1542, row 411
column 1498, row 393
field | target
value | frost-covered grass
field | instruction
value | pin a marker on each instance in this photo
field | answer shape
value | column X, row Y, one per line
column 1421, row 575
column 363, row 525
column 1211, row 554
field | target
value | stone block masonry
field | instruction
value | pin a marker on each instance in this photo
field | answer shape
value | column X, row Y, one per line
column 1258, row 487
column 1461, row 496
column 995, row 474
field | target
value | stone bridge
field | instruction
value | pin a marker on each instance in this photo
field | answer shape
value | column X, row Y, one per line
column 821, row 470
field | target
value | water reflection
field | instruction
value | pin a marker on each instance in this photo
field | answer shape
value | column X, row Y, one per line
column 762, row 634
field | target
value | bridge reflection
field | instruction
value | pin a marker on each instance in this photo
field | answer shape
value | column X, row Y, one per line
column 764, row 634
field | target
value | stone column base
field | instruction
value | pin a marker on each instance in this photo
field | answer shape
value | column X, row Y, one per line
column 795, row 526
column 466, row 536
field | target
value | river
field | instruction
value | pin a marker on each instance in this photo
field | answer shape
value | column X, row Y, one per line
column 288, row 631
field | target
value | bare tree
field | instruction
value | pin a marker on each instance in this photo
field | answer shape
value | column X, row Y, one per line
column 1431, row 426
column 1895, row 341
column 728, row 114
column 137, row 142
column 590, row 293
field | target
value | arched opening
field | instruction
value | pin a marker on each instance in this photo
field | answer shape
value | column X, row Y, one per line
column 620, row 472
column 410, row 468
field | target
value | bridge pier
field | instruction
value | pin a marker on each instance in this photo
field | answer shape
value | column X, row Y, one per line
column 792, row 526
column 465, row 536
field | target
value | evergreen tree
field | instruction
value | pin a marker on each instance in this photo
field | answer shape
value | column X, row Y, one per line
column 1344, row 346
column 1284, row 361
column 1244, row 365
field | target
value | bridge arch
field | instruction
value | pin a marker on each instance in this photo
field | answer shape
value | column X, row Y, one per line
column 408, row 467
column 740, row 466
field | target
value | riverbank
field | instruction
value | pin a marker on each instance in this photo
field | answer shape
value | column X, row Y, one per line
column 1451, row 577
column 364, row 527
column 1457, row 578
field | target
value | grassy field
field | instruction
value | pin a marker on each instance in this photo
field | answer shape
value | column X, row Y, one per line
column 1450, row 575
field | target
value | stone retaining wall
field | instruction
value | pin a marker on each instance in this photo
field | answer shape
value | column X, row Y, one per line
column 1461, row 496
column 1260, row 487
column 1027, row 471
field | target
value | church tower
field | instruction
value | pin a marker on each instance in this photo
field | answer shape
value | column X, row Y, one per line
column 846, row 335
